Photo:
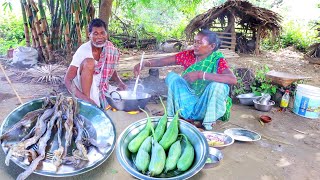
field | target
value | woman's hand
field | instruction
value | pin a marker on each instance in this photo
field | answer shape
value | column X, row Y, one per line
column 136, row 69
column 122, row 86
column 193, row 76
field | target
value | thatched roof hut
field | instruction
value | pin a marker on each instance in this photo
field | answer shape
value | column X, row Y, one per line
column 248, row 21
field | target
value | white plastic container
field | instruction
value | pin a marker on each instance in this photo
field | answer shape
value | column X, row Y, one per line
column 307, row 101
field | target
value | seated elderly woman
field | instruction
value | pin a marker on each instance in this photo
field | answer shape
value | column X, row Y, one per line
column 201, row 92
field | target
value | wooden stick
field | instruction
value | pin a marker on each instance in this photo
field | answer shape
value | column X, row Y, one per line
column 283, row 142
column 299, row 131
column 237, row 125
column 11, row 84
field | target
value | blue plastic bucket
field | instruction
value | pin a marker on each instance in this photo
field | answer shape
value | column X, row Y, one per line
column 307, row 101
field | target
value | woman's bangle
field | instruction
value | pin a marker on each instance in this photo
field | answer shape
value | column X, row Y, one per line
column 149, row 63
column 204, row 76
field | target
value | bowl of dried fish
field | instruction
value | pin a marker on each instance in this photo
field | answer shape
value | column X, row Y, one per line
column 67, row 136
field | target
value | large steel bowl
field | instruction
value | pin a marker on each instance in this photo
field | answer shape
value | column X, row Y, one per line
column 247, row 99
column 105, row 133
column 197, row 139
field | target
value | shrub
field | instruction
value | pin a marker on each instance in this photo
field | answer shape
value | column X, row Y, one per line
column 293, row 34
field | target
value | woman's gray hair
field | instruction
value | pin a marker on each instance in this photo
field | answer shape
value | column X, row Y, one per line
column 212, row 38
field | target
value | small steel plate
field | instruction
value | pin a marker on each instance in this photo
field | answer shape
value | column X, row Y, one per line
column 98, row 124
column 241, row 134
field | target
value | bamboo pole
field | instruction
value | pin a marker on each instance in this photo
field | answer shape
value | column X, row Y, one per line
column 39, row 32
column 30, row 19
column 44, row 28
column 25, row 24
column 76, row 8
column 14, row 90
column 60, row 30
column 91, row 11
column 84, row 17
column 66, row 27
column 55, row 23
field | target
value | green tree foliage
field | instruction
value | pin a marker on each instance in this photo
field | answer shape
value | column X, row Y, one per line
column 11, row 32
column 293, row 34
column 158, row 18
column 7, row 4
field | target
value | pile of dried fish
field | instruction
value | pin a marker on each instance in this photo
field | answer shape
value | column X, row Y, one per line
column 59, row 117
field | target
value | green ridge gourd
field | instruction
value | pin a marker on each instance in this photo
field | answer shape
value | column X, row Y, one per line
column 158, row 159
column 136, row 142
column 173, row 156
column 171, row 134
column 158, row 155
column 187, row 156
column 143, row 156
column 162, row 124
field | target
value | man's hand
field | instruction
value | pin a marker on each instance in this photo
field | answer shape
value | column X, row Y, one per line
column 193, row 76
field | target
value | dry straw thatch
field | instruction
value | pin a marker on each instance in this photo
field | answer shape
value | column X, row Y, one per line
column 246, row 15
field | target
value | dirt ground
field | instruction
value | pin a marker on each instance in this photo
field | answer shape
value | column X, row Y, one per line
column 289, row 148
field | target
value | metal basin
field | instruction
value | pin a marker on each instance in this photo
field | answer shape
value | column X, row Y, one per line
column 127, row 101
column 198, row 141
column 104, row 131
column 263, row 107
column 247, row 99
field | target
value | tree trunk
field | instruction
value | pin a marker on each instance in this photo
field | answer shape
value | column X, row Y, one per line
column 105, row 11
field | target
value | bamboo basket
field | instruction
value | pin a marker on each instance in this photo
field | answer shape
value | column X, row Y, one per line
column 312, row 60
column 284, row 79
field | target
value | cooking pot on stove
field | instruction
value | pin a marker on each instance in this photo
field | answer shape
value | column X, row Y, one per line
column 127, row 100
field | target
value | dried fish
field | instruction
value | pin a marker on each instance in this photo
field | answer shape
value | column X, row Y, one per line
column 68, row 125
column 57, row 154
column 42, row 148
column 19, row 149
column 40, row 128
column 31, row 133
column 81, row 151
column 26, row 121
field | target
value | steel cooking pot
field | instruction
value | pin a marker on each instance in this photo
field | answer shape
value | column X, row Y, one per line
column 127, row 101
